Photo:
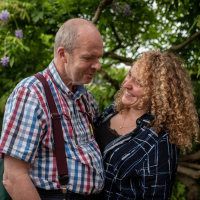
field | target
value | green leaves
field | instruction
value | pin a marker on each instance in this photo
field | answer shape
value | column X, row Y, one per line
column 179, row 191
column 16, row 43
column 101, row 87
column 149, row 26
column 196, row 22
column 12, row 60
column 37, row 15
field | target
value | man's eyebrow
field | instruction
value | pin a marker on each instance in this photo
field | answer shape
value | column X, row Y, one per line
column 86, row 55
column 89, row 54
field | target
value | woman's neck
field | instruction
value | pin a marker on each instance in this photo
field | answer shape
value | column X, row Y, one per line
column 135, row 113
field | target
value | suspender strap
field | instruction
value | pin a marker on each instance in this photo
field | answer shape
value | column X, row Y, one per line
column 57, row 135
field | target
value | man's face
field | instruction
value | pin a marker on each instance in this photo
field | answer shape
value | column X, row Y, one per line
column 84, row 61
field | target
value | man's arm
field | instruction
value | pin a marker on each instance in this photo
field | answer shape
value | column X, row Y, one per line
column 16, row 180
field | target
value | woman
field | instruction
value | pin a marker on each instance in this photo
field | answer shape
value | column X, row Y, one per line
column 140, row 135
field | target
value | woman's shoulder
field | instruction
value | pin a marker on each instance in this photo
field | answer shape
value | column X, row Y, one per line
column 161, row 140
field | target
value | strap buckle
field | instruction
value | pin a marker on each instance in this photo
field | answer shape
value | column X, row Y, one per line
column 55, row 116
column 63, row 180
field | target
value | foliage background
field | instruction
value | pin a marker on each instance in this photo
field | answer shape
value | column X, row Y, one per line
column 170, row 25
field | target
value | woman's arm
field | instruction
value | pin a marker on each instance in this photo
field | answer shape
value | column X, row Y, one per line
column 159, row 176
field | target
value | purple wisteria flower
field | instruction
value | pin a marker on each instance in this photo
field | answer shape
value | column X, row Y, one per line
column 116, row 8
column 19, row 34
column 4, row 15
column 127, row 10
column 5, row 60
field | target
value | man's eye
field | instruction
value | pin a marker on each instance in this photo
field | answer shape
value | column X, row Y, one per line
column 86, row 58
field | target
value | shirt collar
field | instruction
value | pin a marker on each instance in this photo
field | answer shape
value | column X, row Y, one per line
column 78, row 90
column 145, row 118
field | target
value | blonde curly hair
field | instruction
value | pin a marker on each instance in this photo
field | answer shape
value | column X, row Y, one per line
column 168, row 94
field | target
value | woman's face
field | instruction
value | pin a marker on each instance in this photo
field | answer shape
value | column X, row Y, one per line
column 133, row 88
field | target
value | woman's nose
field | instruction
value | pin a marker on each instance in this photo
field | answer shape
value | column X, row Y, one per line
column 127, row 83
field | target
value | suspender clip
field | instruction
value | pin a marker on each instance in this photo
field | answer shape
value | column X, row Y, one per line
column 63, row 180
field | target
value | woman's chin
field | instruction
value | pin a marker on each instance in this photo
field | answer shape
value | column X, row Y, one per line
column 129, row 101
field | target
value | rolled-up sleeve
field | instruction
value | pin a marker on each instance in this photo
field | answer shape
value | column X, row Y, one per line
column 22, row 128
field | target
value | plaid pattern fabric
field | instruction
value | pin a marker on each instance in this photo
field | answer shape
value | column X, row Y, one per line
column 27, row 133
column 140, row 164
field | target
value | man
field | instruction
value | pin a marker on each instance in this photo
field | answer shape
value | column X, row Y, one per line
column 27, row 138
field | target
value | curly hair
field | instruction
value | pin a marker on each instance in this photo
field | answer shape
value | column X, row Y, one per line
column 168, row 94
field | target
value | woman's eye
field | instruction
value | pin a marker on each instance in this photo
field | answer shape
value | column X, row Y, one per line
column 138, row 83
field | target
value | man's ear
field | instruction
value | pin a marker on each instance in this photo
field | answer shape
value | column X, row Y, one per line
column 62, row 54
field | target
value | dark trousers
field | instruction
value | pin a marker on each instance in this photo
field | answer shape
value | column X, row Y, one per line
column 58, row 195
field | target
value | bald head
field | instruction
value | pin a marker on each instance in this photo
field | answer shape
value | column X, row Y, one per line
column 71, row 32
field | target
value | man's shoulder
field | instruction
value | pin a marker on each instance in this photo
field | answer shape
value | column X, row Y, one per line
column 31, row 84
column 90, row 97
column 28, row 82
column 88, row 92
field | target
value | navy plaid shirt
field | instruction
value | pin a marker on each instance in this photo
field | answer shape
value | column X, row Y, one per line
column 139, row 165
column 27, row 133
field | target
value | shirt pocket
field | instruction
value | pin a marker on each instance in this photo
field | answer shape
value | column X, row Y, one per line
column 77, row 129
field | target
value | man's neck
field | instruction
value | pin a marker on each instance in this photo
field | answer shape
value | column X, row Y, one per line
column 66, row 80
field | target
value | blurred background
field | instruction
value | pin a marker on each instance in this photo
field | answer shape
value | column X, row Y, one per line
column 128, row 28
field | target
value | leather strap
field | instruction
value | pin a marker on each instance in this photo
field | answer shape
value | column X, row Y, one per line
column 57, row 133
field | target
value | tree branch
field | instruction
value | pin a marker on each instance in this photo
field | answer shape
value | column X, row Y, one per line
column 115, row 33
column 99, row 10
column 105, row 66
column 190, row 165
column 195, row 156
column 186, row 42
column 127, row 61
column 113, row 82
column 189, row 172
column 117, row 38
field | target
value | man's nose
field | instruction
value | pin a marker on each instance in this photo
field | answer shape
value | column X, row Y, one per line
column 96, row 65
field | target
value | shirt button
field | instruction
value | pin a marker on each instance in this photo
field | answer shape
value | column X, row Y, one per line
column 138, row 121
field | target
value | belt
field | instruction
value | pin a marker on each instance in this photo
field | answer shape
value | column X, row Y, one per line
column 55, row 193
